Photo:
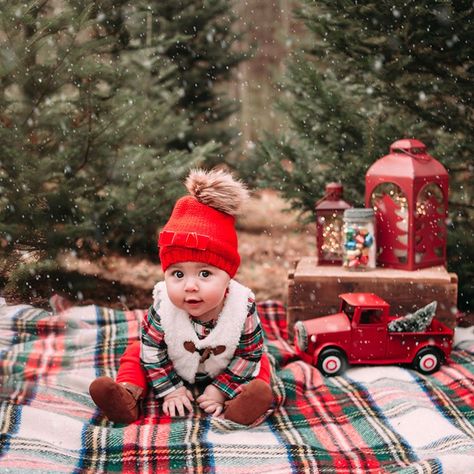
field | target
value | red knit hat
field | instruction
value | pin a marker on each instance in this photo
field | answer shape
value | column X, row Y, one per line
column 201, row 227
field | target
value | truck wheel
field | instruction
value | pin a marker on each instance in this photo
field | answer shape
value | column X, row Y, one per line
column 332, row 362
column 427, row 361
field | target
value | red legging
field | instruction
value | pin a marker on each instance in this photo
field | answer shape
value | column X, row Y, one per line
column 131, row 370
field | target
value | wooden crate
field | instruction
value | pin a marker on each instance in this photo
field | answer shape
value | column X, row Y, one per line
column 313, row 289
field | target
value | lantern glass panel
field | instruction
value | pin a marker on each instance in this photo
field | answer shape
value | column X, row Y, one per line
column 391, row 214
column 331, row 225
column 430, row 223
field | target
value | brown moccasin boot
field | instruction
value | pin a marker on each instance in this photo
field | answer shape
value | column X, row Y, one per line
column 119, row 402
column 254, row 400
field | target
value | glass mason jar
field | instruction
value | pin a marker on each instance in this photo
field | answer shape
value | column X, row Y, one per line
column 359, row 239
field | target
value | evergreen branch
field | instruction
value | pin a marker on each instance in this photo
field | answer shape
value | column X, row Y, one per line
column 55, row 69
column 461, row 205
column 462, row 169
column 39, row 35
column 6, row 32
column 50, row 80
column 36, row 7
column 89, row 133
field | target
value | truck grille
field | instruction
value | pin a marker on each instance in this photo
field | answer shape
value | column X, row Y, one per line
column 301, row 336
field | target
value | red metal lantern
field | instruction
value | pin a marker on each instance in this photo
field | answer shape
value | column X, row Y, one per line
column 329, row 215
column 408, row 190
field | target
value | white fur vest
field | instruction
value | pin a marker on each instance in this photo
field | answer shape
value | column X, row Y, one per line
column 179, row 333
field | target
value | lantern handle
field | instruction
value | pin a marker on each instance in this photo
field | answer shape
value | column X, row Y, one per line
column 421, row 157
column 331, row 188
column 326, row 194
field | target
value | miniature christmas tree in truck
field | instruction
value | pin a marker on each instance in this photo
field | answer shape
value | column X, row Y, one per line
column 416, row 322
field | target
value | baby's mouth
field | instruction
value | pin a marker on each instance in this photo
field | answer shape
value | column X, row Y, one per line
column 193, row 301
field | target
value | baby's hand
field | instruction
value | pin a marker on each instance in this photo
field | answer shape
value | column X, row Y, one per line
column 212, row 400
column 177, row 401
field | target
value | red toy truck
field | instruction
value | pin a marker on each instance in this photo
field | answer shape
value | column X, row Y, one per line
column 359, row 334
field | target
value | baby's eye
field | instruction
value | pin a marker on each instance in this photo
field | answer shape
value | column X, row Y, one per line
column 204, row 273
column 178, row 274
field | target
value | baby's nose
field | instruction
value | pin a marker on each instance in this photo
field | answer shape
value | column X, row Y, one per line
column 191, row 284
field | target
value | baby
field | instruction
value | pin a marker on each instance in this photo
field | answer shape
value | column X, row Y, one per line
column 203, row 328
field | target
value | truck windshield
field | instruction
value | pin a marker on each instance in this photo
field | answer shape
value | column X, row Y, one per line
column 348, row 309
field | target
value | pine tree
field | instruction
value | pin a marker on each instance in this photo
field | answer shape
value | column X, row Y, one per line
column 202, row 41
column 59, row 127
column 416, row 322
column 85, row 155
column 187, row 49
column 148, row 174
column 374, row 73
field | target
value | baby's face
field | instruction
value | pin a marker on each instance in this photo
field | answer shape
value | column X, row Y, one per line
column 197, row 288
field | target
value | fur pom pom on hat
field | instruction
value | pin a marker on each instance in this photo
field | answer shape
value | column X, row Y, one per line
column 201, row 227
column 218, row 190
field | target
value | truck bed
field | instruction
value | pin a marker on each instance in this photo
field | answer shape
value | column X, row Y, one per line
column 436, row 328
column 403, row 346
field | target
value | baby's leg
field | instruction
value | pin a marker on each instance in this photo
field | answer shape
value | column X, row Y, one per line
column 265, row 370
column 130, row 372
column 254, row 400
column 119, row 399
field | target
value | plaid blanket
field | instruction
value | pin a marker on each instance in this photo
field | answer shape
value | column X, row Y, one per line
column 370, row 420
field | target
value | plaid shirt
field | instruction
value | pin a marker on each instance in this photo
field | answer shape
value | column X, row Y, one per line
column 240, row 370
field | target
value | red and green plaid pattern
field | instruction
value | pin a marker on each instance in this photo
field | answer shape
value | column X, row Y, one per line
column 371, row 420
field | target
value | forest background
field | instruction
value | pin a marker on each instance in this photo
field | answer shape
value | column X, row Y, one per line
column 105, row 105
